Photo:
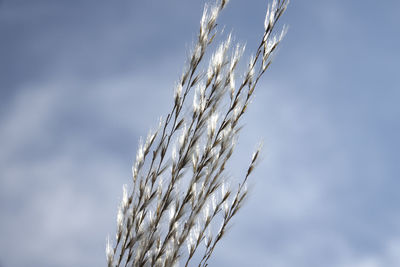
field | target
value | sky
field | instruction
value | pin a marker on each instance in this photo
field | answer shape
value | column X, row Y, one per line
column 81, row 81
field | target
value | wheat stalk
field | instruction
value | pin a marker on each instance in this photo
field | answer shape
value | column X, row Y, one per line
column 179, row 184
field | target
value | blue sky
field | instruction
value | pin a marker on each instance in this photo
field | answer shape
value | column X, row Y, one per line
column 81, row 81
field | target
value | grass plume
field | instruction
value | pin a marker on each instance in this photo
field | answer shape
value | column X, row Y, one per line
column 180, row 188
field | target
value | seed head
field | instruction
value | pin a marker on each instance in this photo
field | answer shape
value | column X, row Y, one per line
column 124, row 197
column 212, row 124
column 120, row 219
column 178, row 91
column 109, row 252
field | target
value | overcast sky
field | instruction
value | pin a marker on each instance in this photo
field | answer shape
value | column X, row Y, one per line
column 81, row 81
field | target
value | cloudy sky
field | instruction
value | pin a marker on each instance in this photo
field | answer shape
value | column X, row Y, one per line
column 81, row 81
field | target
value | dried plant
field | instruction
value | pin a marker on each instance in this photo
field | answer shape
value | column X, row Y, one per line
column 179, row 186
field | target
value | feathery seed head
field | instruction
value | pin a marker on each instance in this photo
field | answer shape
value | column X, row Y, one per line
column 213, row 16
column 217, row 59
column 196, row 230
column 227, row 43
column 178, row 91
column 255, row 155
column 207, row 22
column 171, row 212
column 245, row 189
column 124, row 202
column 134, row 172
column 226, row 133
column 120, row 219
column 189, row 244
column 266, row 21
column 149, row 141
column 212, row 123
column 109, row 252
column 197, row 150
column 202, row 188
column 204, row 21
column 203, row 100
column 194, row 162
column 239, row 50
column 206, row 211
column 223, row 189
column 270, row 15
column 147, row 192
column 197, row 53
column 232, row 85
column 174, row 154
column 151, row 217
column 210, row 74
column 176, row 225
column 225, row 207
column 236, row 111
column 159, row 189
column 140, row 215
column 251, row 70
column 193, row 237
column 138, row 253
column 208, row 238
column 194, row 189
column 196, row 102
column 214, row 202
column 182, row 137
column 140, row 152
column 283, row 32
